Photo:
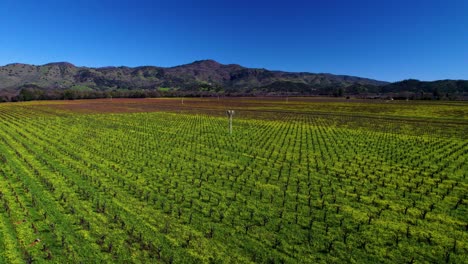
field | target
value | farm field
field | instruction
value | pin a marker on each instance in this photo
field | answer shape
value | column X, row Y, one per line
column 300, row 180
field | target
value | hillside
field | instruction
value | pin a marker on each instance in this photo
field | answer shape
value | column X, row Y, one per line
column 64, row 80
column 205, row 75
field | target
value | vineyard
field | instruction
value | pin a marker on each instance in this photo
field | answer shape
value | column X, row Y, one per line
column 298, row 181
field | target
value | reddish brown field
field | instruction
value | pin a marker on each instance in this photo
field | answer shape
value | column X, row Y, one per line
column 353, row 112
column 132, row 105
column 269, row 107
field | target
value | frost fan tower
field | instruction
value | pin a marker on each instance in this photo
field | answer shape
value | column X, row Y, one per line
column 230, row 113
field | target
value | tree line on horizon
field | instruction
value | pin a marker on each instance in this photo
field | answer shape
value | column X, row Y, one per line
column 404, row 90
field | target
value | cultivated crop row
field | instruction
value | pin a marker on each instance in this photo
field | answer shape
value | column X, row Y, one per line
column 176, row 187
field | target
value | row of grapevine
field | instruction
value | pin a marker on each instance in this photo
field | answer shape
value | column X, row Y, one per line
column 176, row 187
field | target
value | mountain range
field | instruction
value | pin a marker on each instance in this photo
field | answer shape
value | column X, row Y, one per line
column 199, row 77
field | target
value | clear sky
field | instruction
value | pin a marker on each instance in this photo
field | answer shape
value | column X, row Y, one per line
column 387, row 40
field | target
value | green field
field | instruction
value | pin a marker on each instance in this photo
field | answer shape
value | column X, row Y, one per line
column 299, row 181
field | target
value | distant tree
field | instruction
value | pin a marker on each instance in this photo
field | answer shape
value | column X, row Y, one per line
column 70, row 95
column 30, row 92
column 339, row 92
column 436, row 93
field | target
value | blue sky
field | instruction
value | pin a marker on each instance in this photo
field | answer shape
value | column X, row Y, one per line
column 385, row 40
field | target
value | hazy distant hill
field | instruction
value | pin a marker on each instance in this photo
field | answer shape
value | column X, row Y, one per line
column 53, row 80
